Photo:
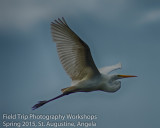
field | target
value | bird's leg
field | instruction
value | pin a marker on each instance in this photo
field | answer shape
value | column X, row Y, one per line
column 41, row 103
column 65, row 91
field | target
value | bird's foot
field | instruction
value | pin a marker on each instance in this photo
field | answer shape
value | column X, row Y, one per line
column 40, row 103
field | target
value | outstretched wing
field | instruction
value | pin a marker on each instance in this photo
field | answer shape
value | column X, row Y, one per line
column 74, row 53
column 108, row 69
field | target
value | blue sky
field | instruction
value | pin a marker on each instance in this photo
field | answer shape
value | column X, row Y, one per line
column 125, row 31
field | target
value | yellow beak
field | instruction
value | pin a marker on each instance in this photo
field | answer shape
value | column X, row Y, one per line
column 126, row 76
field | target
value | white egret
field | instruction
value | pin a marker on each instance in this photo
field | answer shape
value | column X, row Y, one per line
column 77, row 61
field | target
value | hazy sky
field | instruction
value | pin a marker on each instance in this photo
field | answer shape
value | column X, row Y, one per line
column 126, row 31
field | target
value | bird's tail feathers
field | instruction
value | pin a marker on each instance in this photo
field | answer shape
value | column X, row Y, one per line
column 69, row 90
column 63, row 89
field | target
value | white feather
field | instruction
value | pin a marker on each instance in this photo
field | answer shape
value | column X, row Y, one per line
column 108, row 69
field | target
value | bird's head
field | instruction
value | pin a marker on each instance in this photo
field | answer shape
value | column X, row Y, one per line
column 111, row 81
column 113, row 84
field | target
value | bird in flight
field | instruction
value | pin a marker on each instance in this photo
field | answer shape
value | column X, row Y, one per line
column 77, row 61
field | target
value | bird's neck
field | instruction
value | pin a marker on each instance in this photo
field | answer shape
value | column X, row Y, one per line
column 111, row 88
